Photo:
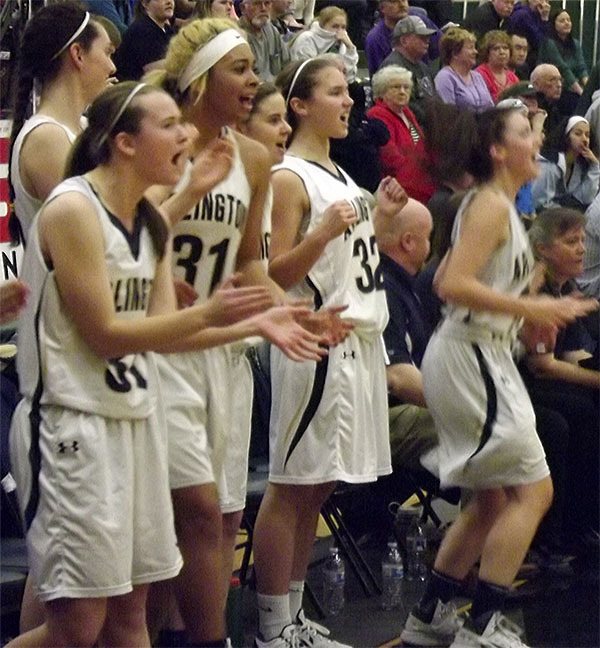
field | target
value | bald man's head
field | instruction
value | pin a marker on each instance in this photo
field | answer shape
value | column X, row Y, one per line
column 547, row 80
column 405, row 236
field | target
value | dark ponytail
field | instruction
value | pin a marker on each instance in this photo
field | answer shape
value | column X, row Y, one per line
column 39, row 60
column 116, row 110
column 459, row 140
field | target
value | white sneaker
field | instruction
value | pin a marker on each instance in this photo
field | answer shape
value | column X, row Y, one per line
column 315, row 635
column 500, row 632
column 288, row 638
column 444, row 625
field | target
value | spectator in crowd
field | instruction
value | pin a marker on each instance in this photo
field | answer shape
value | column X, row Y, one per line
column 328, row 34
column 546, row 79
column 404, row 157
column 356, row 10
column 378, row 43
column 589, row 281
column 569, row 172
column 518, row 56
column 282, row 16
column 564, row 51
column 117, row 11
column 270, row 51
column 457, row 83
column 489, row 16
column 410, row 40
column 214, row 9
column 494, row 53
column 530, row 19
column 403, row 242
column 562, row 370
column 145, row 42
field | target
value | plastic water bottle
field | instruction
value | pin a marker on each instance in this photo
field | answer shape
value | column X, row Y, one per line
column 334, row 580
column 416, row 545
column 392, row 575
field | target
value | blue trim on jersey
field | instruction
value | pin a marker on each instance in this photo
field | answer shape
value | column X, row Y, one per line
column 35, row 419
column 492, row 401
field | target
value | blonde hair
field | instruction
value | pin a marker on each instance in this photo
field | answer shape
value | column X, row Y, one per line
column 327, row 14
column 181, row 48
column 452, row 42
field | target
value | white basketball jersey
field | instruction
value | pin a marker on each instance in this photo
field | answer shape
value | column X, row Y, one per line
column 55, row 365
column 26, row 206
column 265, row 239
column 508, row 271
column 348, row 271
column 206, row 241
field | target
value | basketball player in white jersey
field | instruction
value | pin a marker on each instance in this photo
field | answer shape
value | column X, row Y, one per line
column 68, row 55
column 328, row 418
column 208, row 68
column 483, row 415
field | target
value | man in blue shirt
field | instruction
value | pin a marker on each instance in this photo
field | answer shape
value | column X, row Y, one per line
column 404, row 246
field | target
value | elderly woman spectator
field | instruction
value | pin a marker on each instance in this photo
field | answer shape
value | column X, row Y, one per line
column 404, row 156
column 457, row 83
column 564, row 51
column 328, row 34
column 569, row 171
column 494, row 54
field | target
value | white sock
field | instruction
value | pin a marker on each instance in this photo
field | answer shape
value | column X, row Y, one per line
column 296, row 593
column 273, row 614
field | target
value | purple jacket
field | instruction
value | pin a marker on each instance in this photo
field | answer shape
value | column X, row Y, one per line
column 378, row 43
column 527, row 22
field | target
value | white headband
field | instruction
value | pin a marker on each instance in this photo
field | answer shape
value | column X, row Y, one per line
column 294, row 79
column 120, row 112
column 84, row 22
column 575, row 120
column 209, row 54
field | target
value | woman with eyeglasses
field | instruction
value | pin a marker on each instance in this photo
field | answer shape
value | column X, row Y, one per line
column 457, row 82
column 494, row 53
column 404, row 156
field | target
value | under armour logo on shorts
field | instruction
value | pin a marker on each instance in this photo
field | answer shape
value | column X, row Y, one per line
column 64, row 447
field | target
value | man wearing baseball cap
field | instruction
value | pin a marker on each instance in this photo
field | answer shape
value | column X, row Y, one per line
column 410, row 42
